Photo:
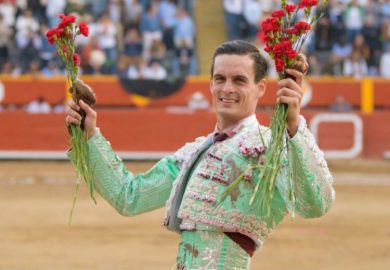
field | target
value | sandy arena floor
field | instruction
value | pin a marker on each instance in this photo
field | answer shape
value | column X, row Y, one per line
column 35, row 199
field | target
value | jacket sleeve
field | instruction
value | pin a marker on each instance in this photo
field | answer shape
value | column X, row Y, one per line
column 129, row 194
column 310, row 175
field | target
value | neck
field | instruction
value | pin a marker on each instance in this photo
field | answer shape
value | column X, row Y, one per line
column 223, row 123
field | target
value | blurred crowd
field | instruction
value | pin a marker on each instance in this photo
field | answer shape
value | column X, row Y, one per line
column 351, row 39
column 155, row 39
column 150, row 39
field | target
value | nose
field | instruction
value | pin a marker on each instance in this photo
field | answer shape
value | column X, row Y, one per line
column 228, row 87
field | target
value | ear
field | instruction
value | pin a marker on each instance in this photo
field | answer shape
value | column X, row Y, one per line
column 261, row 87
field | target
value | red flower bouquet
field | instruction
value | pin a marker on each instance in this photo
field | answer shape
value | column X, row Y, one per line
column 63, row 37
column 284, row 37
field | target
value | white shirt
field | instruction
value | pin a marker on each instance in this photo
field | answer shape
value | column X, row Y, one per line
column 234, row 6
column 385, row 65
column 253, row 11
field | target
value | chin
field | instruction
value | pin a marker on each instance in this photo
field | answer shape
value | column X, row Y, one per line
column 229, row 116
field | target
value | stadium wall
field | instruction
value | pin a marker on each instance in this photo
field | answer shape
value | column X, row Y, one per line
column 165, row 124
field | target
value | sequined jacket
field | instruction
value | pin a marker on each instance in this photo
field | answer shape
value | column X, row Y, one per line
column 206, row 171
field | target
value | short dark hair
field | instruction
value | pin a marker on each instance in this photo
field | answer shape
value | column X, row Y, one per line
column 241, row 47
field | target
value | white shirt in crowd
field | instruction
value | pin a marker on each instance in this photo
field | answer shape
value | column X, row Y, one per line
column 234, row 6
column 384, row 65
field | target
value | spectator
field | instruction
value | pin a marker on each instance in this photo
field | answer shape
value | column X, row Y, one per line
column 106, row 34
column 323, row 30
column 252, row 12
column 92, row 57
column 340, row 51
column 151, row 29
column 373, row 9
column 386, row 9
column 359, row 44
column 82, row 41
column 29, row 47
column 47, row 52
column 370, row 33
column 8, row 11
column 385, row 33
column 336, row 19
column 384, row 63
column 26, row 23
column 184, row 37
column 53, row 10
column 184, row 34
column 34, row 69
column 7, row 68
column 167, row 13
column 132, row 47
column 38, row 10
column 5, row 36
column 98, row 7
column 51, row 69
column 133, row 12
column 353, row 18
column 355, row 65
column 340, row 105
column 133, row 73
column 233, row 17
column 154, row 71
column 157, row 51
column 38, row 106
column 114, row 11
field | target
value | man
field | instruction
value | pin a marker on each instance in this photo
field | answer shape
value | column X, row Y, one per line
column 190, row 181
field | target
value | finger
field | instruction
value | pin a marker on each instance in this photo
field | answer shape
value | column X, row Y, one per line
column 290, row 101
column 289, row 92
column 88, row 110
column 73, row 105
column 297, row 75
column 302, row 59
column 74, row 114
column 71, row 120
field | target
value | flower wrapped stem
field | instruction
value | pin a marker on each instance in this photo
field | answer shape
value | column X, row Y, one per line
column 63, row 36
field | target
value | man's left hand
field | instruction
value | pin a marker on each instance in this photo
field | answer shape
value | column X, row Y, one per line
column 290, row 92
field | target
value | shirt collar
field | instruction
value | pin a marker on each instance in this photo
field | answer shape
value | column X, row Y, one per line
column 237, row 127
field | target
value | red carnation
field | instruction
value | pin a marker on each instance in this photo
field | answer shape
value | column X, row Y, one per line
column 76, row 59
column 66, row 20
column 84, row 30
column 280, row 65
column 278, row 13
column 302, row 26
column 50, row 35
column 307, row 3
column 291, row 54
column 291, row 31
column 290, row 8
column 59, row 32
column 268, row 48
column 270, row 25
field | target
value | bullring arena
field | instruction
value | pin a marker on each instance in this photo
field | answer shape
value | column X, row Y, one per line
column 35, row 199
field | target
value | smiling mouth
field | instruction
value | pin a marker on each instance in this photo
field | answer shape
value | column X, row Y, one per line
column 228, row 100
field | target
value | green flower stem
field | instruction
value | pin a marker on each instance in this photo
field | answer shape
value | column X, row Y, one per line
column 83, row 168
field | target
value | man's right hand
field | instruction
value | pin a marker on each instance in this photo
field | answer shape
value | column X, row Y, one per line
column 73, row 117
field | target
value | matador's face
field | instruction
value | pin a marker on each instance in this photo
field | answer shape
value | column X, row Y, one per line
column 233, row 88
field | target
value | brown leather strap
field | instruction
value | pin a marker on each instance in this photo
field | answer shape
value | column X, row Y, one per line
column 243, row 241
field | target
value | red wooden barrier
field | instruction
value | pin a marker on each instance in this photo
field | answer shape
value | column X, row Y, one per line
column 158, row 130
